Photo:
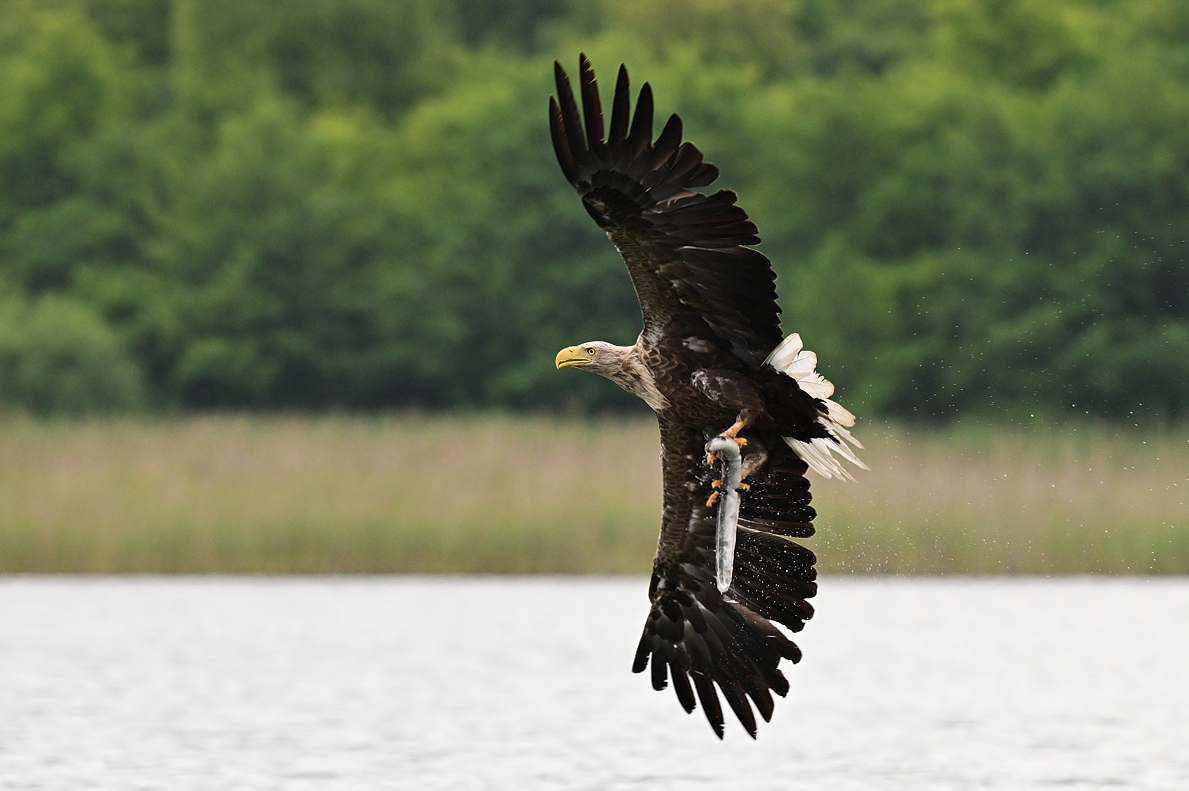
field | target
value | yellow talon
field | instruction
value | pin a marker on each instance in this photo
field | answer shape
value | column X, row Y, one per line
column 716, row 485
column 744, row 487
column 734, row 430
column 712, row 457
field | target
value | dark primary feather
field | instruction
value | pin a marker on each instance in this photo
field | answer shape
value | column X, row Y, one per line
column 687, row 253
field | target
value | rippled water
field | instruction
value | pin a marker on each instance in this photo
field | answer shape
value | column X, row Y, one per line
column 524, row 683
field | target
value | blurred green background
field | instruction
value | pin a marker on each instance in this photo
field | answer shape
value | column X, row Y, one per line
column 976, row 207
column 978, row 210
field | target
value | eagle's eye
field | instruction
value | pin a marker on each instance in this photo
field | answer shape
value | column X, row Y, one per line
column 590, row 350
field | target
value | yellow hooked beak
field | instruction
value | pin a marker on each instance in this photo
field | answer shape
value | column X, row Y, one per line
column 571, row 356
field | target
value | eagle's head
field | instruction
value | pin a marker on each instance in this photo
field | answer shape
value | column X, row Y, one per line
column 620, row 364
column 597, row 357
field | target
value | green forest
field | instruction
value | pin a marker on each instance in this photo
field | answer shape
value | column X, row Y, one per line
column 975, row 207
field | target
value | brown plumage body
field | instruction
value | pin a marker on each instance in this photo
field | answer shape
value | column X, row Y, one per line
column 708, row 304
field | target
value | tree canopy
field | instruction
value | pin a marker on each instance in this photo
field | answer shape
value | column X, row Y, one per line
column 974, row 206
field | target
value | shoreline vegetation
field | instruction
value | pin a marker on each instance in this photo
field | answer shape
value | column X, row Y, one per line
column 979, row 205
column 484, row 494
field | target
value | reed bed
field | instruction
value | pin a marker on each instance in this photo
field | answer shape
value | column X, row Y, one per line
column 492, row 494
column 1083, row 499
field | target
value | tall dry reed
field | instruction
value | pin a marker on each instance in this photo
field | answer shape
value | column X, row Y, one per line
column 251, row 494
column 1079, row 500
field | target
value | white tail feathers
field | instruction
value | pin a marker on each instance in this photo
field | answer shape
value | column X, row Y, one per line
column 792, row 359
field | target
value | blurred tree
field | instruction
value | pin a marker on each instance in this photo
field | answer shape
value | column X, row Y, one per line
column 63, row 90
column 141, row 25
column 512, row 268
column 517, row 25
column 59, row 358
column 996, row 218
column 279, row 245
column 975, row 206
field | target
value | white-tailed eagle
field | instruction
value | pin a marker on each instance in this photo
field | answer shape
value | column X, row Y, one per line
column 710, row 361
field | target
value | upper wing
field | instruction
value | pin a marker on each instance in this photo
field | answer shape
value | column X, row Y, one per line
column 693, row 632
column 687, row 253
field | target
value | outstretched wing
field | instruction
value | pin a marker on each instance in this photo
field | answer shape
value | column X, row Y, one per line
column 687, row 253
column 699, row 639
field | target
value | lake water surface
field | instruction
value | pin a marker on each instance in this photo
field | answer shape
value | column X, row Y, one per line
column 524, row 683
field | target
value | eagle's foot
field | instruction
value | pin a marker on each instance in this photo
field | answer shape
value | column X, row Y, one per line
column 733, row 431
column 717, row 493
column 712, row 457
column 731, row 434
column 717, row 486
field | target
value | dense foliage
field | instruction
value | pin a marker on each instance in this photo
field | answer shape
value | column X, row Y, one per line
column 974, row 206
